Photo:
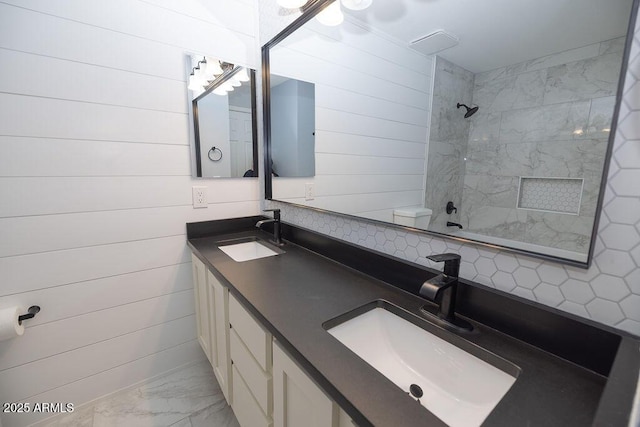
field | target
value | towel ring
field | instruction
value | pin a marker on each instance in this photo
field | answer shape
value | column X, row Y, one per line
column 213, row 156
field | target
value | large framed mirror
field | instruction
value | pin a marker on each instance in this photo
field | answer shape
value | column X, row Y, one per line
column 223, row 116
column 485, row 121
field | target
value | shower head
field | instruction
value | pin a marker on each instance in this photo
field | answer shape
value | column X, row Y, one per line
column 470, row 111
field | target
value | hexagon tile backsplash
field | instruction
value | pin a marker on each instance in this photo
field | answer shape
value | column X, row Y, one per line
column 608, row 292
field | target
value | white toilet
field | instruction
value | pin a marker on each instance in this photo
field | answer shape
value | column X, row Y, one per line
column 416, row 217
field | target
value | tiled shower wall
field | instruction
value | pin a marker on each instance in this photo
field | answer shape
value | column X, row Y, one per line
column 608, row 292
column 448, row 139
column 547, row 117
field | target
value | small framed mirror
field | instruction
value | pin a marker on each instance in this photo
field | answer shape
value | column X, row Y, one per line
column 223, row 117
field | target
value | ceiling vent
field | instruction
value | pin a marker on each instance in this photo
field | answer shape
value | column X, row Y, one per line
column 434, row 42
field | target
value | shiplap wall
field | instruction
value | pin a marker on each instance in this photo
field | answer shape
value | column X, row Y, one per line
column 95, row 188
column 370, row 145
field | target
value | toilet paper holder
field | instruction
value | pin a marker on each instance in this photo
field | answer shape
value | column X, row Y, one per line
column 31, row 313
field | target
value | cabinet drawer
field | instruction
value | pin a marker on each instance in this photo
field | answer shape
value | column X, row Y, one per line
column 245, row 407
column 258, row 381
column 257, row 340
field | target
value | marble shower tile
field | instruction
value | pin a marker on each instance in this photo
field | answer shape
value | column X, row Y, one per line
column 555, row 59
column 457, row 73
column 484, row 127
column 162, row 402
column 487, row 190
column 568, row 159
column 521, row 91
column 569, row 232
column 447, row 121
column 452, row 84
column 552, row 60
column 601, row 117
column 446, row 157
column 487, row 76
column 591, row 78
column 552, row 122
column 497, row 222
column 590, row 192
column 612, row 46
column 500, row 160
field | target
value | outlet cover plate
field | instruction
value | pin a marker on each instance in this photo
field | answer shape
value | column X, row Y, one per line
column 309, row 191
column 200, row 197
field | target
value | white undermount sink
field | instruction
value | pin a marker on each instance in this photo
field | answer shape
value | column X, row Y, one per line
column 459, row 388
column 247, row 249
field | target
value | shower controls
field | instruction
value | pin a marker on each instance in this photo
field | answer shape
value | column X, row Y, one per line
column 451, row 208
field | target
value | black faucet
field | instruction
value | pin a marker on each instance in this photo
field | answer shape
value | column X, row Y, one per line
column 454, row 224
column 442, row 290
column 277, row 229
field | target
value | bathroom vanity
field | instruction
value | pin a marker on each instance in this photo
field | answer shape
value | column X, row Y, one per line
column 263, row 324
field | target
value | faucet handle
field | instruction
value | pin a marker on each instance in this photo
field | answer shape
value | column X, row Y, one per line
column 444, row 257
column 276, row 213
column 451, row 263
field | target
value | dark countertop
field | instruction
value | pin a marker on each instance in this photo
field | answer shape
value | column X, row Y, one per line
column 293, row 294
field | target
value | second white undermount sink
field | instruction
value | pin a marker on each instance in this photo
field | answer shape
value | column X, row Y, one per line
column 247, row 250
column 458, row 387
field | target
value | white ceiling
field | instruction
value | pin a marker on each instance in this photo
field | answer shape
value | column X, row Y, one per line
column 495, row 33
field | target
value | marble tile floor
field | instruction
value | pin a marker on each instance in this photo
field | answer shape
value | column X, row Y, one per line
column 189, row 397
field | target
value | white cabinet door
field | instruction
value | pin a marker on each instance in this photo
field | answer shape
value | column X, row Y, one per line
column 297, row 400
column 202, row 304
column 220, row 325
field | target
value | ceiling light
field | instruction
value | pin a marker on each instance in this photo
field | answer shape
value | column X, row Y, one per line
column 356, row 4
column 331, row 15
column 292, row 4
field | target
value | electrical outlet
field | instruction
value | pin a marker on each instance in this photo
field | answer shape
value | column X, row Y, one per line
column 200, row 197
column 309, row 191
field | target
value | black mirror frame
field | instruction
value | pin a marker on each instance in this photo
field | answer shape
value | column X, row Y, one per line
column 309, row 11
column 312, row 9
column 254, row 119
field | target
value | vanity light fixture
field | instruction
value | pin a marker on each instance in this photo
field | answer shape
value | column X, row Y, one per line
column 227, row 86
column 206, row 70
column 331, row 15
column 242, row 75
column 357, row 4
column 213, row 67
column 292, row 4
column 196, row 80
column 220, row 91
column 195, row 85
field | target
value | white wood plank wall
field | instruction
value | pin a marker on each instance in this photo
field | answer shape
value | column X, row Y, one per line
column 95, row 188
column 372, row 109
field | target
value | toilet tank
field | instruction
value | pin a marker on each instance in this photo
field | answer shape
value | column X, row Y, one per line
column 417, row 217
